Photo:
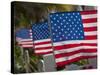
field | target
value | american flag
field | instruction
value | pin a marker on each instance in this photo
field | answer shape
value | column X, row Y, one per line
column 41, row 36
column 24, row 38
column 74, row 36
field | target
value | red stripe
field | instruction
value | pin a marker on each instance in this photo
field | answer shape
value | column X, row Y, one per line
column 90, row 44
column 88, row 12
column 91, row 37
column 42, row 53
column 63, row 63
column 26, row 43
column 89, row 20
column 87, row 29
column 43, row 48
column 75, row 52
column 40, row 43
column 72, row 45
column 66, row 46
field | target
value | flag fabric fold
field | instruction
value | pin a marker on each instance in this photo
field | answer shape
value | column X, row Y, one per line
column 74, row 36
column 24, row 38
column 41, row 37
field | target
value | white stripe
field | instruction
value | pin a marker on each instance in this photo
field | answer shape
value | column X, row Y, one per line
column 90, row 24
column 31, row 37
column 74, row 56
column 91, row 33
column 43, row 45
column 43, row 40
column 74, row 42
column 26, row 43
column 30, row 33
column 25, row 40
column 89, row 16
column 42, row 51
column 73, row 49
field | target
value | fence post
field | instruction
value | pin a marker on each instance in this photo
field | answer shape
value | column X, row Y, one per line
column 49, row 63
column 27, row 61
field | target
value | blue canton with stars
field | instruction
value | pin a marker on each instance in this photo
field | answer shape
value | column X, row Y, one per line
column 40, row 31
column 23, row 33
column 66, row 26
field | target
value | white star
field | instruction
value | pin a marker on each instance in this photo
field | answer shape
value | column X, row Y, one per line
column 71, row 16
column 70, row 25
column 78, row 28
column 62, row 14
column 73, row 13
column 78, row 13
column 68, row 34
column 79, row 19
column 61, row 23
column 74, row 19
column 68, row 13
column 67, row 23
column 51, row 21
column 53, row 33
column 66, row 17
column 59, row 32
column 59, row 27
column 54, row 18
column 76, row 16
column 60, row 38
column 54, row 39
column 63, row 35
column 77, row 22
column 71, row 31
column 72, row 37
column 57, row 20
column 81, row 36
column 64, row 20
column 62, row 29
column 74, row 34
column 76, row 31
column 73, row 28
column 75, row 25
column 56, row 30
column 66, row 37
column 50, row 15
column 56, row 14
column 67, row 28
column 64, row 26
column 72, row 22
column 81, row 31
column 60, row 17
column 55, row 24
column 69, row 20
column 52, row 27
column 57, row 36
column 65, row 31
